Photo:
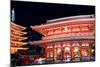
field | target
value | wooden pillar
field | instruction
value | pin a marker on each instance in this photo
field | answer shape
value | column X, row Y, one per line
column 61, row 44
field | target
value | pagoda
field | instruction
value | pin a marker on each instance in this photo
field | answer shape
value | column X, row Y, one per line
column 17, row 38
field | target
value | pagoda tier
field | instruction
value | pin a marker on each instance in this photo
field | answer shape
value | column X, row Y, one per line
column 17, row 27
column 15, row 49
column 70, row 26
column 17, row 38
column 17, row 32
column 16, row 43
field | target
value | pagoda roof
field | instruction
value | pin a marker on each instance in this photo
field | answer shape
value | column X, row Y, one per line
column 70, row 38
column 70, row 18
column 17, row 27
column 58, row 21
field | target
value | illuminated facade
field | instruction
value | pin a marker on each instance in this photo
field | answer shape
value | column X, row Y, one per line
column 68, row 39
column 17, row 38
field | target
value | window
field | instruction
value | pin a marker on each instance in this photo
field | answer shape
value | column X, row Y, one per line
column 85, row 44
column 84, row 28
column 50, row 32
column 85, row 52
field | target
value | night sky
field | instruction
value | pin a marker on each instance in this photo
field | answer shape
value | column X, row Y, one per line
column 35, row 13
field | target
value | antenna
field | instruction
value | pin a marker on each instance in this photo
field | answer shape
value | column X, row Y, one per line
column 13, row 15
